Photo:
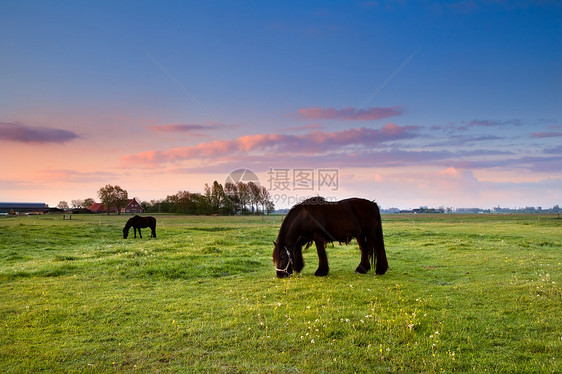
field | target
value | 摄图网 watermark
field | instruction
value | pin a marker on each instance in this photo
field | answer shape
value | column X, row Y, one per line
column 290, row 186
column 303, row 180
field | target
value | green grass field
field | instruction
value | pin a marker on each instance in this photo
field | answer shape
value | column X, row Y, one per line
column 463, row 293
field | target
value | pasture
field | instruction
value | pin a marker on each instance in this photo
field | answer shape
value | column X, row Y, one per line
column 464, row 293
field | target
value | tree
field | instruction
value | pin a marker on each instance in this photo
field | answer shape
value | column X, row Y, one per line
column 217, row 197
column 88, row 202
column 204, row 204
column 255, row 192
column 265, row 201
column 113, row 197
column 243, row 196
column 184, row 203
column 269, row 206
column 62, row 205
column 231, row 200
column 77, row 204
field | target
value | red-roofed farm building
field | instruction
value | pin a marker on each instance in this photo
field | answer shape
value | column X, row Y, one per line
column 133, row 206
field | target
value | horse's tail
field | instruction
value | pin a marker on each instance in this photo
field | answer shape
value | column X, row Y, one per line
column 153, row 227
column 378, row 243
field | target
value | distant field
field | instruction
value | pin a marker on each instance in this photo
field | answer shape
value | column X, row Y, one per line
column 464, row 293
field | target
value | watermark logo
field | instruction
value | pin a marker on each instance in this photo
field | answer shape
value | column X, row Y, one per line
column 244, row 176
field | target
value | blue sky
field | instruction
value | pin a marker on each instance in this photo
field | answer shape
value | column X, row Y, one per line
column 414, row 103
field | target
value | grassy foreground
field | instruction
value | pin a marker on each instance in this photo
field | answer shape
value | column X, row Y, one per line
column 463, row 294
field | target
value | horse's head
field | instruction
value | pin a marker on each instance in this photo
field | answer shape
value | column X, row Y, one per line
column 125, row 232
column 283, row 260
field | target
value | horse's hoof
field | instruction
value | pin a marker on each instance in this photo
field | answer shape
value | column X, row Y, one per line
column 360, row 270
column 319, row 273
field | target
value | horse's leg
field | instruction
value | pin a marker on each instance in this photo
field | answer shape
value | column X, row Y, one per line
column 140, row 233
column 323, row 267
column 297, row 258
column 153, row 230
column 365, row 264
column 135, row 231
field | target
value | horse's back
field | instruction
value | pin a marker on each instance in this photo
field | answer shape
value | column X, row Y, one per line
column 364, row 213
column 363, row 207
column 140, row 221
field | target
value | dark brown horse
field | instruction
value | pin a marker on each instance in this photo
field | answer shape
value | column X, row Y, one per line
column 139, row 222
column 316, row 220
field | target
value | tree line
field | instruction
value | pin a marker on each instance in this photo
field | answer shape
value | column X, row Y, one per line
column 230, row 199
column 110, row 196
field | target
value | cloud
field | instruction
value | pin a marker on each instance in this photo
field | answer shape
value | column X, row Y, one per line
column 312, row 143
column 556, row 150
column 543, row 164
column 350, row 114
column 312, row 126
column 391, row 146
column 213, row 149
column 493, row 123
column 457, row 140
column 552, row 134
column 180, row 128
column 464, row 125
column 338, row 159
column 75, row 176
column 21, row 133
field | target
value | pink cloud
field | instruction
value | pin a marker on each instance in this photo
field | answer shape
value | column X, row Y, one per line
column 191, row 129
column 351, row 114
column 179, row 128
column 390, row 129
column 261, row 141
column 214, row 148
column 312, row 126
column 295, row 144
column 552, row 134
column 21, row 133
column 450, row 172
column 75, row 176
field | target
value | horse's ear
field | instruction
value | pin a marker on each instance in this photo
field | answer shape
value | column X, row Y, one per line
column 274, row 243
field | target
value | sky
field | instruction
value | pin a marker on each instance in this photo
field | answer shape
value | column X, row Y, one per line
column 408, row 103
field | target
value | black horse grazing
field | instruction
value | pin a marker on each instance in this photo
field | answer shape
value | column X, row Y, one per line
column 316, row 220
column 139, row 222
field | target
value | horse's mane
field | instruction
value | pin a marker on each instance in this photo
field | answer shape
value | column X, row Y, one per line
column 315, row 200
column 305, row 204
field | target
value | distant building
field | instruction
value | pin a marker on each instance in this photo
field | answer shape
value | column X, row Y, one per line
column 133, row 206
column 100, row 208
column 97, row 208
column 16, row 208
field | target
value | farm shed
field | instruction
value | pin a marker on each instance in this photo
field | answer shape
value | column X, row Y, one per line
column 100, row 208
column 23, row 207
